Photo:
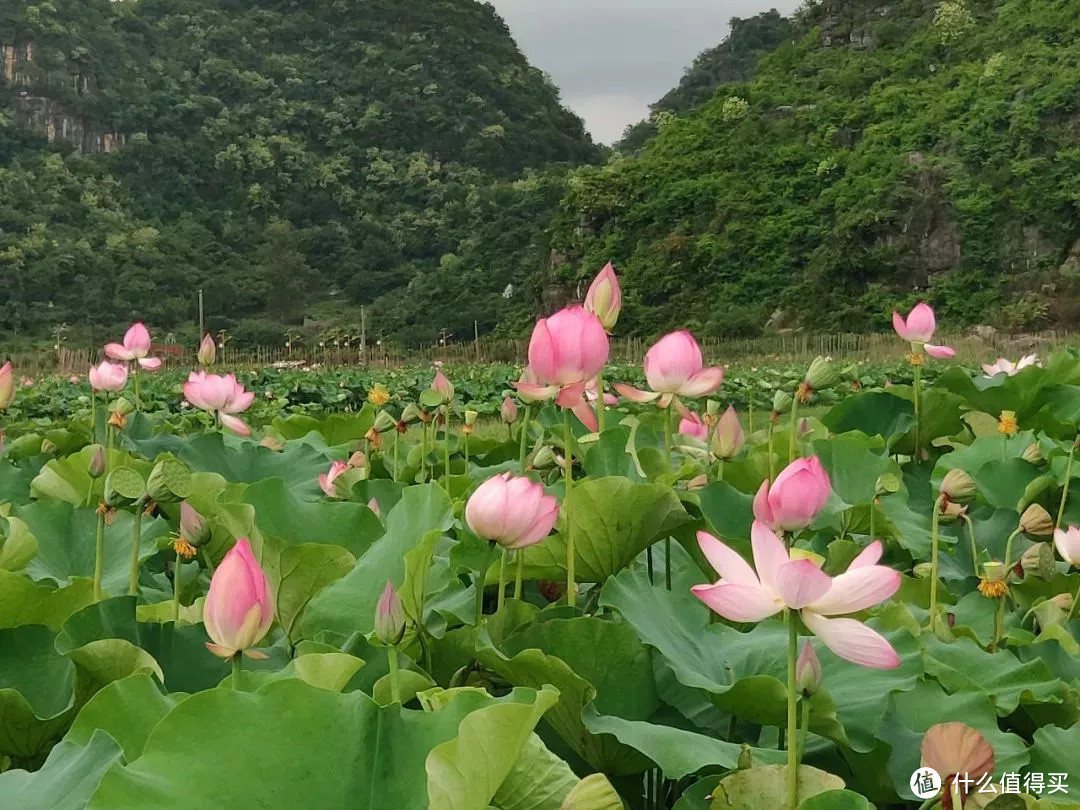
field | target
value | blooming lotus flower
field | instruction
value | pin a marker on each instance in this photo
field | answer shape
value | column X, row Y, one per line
column 108, row 376
column 238, row 611
column 511, row 511
column 508, row 411
column 918, row 328
column 1067, row 542
column 1003, row 366
column 691, row 425
column 955, row 750
column 222, row 396
column 728, row 439
column 795, row 498
column 566, row 352
column 7, row 386
column 604, row 298
column 207, row 351
column 136, row 346
column 327, row 479
column 389, row 616
column 443, row 387
column 674, row 367
column 784, row 581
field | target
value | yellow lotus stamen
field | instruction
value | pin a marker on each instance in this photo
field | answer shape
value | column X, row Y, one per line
column 992, row 589
column 915, row 358
column 183, row 548
column 379, row 395
column 1007, row 423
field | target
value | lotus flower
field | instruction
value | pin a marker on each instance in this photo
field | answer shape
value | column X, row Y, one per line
column 955, row 750
column 1003, row 366
column 389, row 616
column 443, row 387
column 674, row 367
column 592, row 394
column 327, row 479
column 108, row 376
column 1068, row 544
column 238, row 610
column 918, row 328
column 136, row 346
column 27, row 382
column 795, row 498
column 74, row 379
column 7, row 386
column 728, row 439
column 566, row 351
column 784, row 581
column 222, row 396
column 691, row 425
column 207, row 351
column 604, row 299
column 511, row 511
column 508, row 411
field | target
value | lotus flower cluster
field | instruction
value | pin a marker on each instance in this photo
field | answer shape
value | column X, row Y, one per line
column 136, row 347
column 222, row 396
column 238, row 610
column 783, row 580
column 918, row 329
column 674, row 367
column 511, row 511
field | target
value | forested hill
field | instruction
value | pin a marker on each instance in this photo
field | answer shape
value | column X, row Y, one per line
column 290, row 158
column 888, row 149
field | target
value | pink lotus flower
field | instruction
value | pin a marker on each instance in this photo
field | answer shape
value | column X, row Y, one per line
column 691, row 425
column 508, row 411
column 108, row 376
column 327, row 479
column 592, row 395
column 389, row 616
column 566, row 351
column 136, row 346
column 222, row 396
column 1068, row 544
column 207, row 351
column 918, row 328
column 962, row 757
column 808, row 671
column 674, row 367
column 604, row 299
column 74, row 379
column 511, row 511
column 7, row 386
column 238, row 611
column 728, row 439
column 795, row 498
column 783, row 581
column 1003, row 366
column 443, row 387
column 27, row 382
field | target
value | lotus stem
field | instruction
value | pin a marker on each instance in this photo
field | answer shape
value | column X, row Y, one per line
column 237, row 666
column 1065, row 490
column 93, row 414
column 917, row 454
column 720, row 470
column 750, row 415
column 209, row 563
column 1008, row 549
column 395, row 676
column 479, row 585
column 1072, row 607
column 176, row 589
column 136, row 537
column 793, row 429
column 520, row 575
column 804, row 726
column 99, row 556
column 502, row 580
column 571, row 586
column 395, row 473
column 446, row 441
column 523, row 437
column 792, row 713
column 772, row 464
column 935, row 521
column 138, row 403
column 667, row 456
column 974, row 548
column 600, row 407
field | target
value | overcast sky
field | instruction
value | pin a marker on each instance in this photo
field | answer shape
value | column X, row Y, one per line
column 612, row 58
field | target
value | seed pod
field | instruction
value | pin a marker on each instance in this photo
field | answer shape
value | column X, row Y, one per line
column 1036, row 521
column 958, row 485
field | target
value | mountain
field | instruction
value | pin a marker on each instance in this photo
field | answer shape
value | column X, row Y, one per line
column 733, row 60
column 289, row 157
column 887, row 150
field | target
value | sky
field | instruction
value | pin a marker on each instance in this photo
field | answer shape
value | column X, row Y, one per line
column 612, row 58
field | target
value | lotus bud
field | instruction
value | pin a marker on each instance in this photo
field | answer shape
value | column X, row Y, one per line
column 604, row 298
column 96, row 465
column 808, row 671
column 373, row 505
column 923, row 570
column 544, row 457
column 389, row 616
column 821, row 375
column 1037, row 522
column 470, row 422
column 238, row 610
column 7, row 386
column 1038, row 561
column 728, row 439
column 48, row 447
column 193, row 526
column 410, row 413
column 508, row 411
column 207, row 351
column 781, row 402
column 957, row 485
column 1033, row 454
column 443, row 387
column 384, row 422
column 698, row 482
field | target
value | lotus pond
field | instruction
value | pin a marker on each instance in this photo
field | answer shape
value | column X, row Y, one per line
column 478, row 680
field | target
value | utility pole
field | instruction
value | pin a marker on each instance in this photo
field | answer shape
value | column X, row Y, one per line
column 476, row 339
column 201, row 329
column 363, row 334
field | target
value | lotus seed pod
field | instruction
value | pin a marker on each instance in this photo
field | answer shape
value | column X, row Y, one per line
column 822, row 374
column 1033, row 454
column 957, row 485
column 1038, row 561
column 384, row 422
column 781, row 402
column 923, row 570
column 1036, row 521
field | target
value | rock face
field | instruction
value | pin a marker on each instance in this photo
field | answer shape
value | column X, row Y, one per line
column 34, row 102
